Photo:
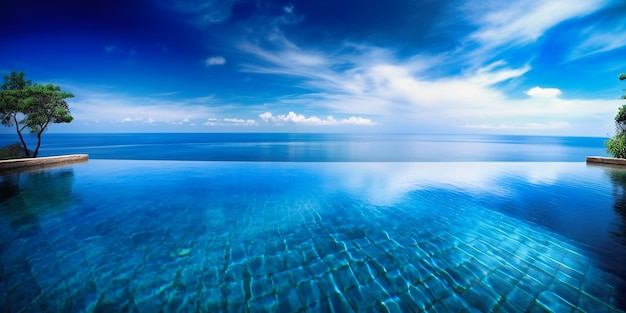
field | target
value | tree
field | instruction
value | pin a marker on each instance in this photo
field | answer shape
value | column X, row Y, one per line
column 39, row 105
column 45, row 104
column 11, row 104
column 616, row 146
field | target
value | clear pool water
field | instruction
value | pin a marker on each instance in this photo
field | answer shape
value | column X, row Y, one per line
column 182, row 236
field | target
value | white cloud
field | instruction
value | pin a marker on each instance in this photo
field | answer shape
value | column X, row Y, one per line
column 543, row 92
column 215, row 60
column 361, row 80
column 403, row 95
column 410, row 94
column 185, row 121
column 288, row 8
column 95, row 106
column 229, row 122
column 312, row 120
column 354, row 120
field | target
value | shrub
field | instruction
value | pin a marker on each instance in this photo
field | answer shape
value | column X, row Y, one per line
column 14, row 151
column 616, row 146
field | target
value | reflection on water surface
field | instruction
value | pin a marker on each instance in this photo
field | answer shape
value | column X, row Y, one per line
column 207, row 236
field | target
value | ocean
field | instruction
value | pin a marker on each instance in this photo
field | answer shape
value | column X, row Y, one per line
column 296, row 147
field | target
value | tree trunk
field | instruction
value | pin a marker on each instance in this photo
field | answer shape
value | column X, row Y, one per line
column 39, row 139
column 19, row 133
column 38, row 144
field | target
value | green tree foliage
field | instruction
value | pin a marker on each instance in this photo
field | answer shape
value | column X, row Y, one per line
column 11, row 104
column 25, row 105
column 45, row 104
column 616, row 146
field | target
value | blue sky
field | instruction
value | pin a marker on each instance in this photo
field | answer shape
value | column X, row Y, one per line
column 542, row 67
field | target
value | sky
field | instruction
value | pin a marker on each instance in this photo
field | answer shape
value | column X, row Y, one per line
column 528, row 67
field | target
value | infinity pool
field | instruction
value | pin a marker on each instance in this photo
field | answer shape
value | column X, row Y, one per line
column 174, row 236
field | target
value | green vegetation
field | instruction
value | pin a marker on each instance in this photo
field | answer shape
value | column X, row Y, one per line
column 14, row 151
column 32, row 106
column 616, row 146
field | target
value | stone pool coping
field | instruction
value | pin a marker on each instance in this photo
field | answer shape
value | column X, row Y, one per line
column 25, row 164
column 597, row 160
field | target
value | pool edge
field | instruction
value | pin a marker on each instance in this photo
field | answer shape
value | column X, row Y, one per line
column 597, row 160
column 25, row 164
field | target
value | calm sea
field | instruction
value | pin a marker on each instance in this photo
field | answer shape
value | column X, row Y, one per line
column 320, row 147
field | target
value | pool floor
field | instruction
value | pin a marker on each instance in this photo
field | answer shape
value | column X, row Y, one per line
column 315, row 250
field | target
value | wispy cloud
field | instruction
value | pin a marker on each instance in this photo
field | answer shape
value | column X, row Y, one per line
column 204, row 12
column 601, row 37
column 360, row 83
column 149, row 120
column 99, row 105
column 523, row 21
column 288, row 9
column 110, row 48
column 526, row 126
column 361, row 79
column 229, row 122
column 103, row 107
column 165, row 94
column 215, row 60
column 185, row 121
column 370, row 81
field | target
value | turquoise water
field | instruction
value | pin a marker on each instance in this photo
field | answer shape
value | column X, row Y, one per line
column 181, row 236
